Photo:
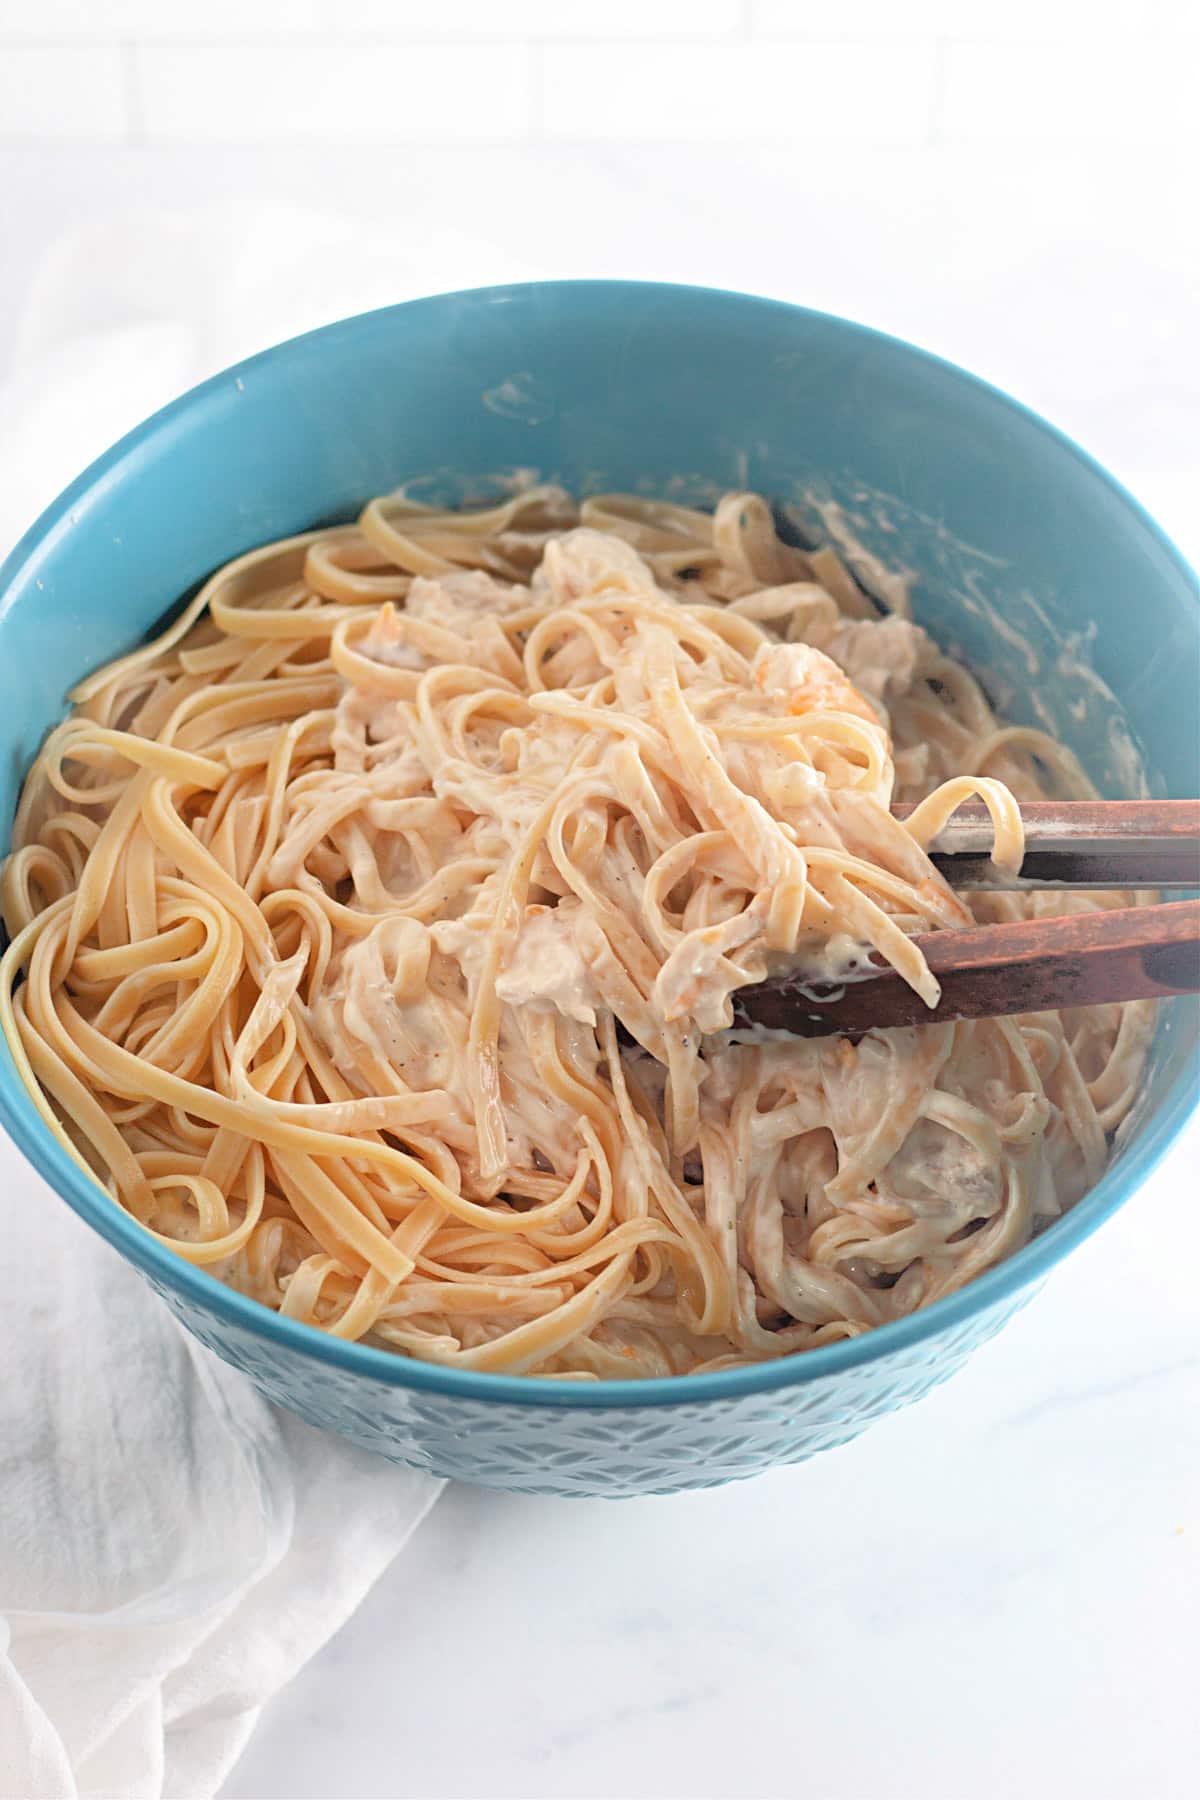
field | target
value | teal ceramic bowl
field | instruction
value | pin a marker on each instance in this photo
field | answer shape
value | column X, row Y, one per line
column 1064, row 597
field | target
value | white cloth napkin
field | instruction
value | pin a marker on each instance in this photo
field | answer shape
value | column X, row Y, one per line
column 172, row 1549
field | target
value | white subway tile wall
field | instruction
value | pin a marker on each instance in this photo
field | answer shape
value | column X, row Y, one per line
column 63, row 93
column 249, row 93
column 738, row 91
column 1126, row 91
column 241, row 21
column 883, row 71
column 1031, row 21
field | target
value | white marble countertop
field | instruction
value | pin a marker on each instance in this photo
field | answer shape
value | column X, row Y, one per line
column 997, row 1591
column 993, row 1593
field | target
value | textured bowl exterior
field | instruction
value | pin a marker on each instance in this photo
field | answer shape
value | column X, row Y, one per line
column 611, row 1452
column 1030, row 562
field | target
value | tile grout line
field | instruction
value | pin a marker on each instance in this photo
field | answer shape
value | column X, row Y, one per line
column 535, row 129
column 935, row 137
column 326, row 39
column 132, row 103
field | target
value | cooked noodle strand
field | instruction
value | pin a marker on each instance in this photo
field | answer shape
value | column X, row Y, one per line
column 375, row 930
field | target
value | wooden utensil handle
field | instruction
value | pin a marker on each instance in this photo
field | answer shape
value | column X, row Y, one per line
column 1035, row 965
column 1076, row 844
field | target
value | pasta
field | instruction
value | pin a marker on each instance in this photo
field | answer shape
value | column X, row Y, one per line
column 373, row 933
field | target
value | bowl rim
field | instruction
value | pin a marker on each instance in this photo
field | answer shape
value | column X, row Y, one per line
column 193, row 1284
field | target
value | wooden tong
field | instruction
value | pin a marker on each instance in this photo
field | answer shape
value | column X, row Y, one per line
column 1077, row 844
column 1034, row 965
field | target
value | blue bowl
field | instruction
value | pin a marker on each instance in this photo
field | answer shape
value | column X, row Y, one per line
column 1031, row 562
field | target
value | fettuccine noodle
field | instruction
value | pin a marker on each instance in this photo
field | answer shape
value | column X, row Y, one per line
column 379, row 922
